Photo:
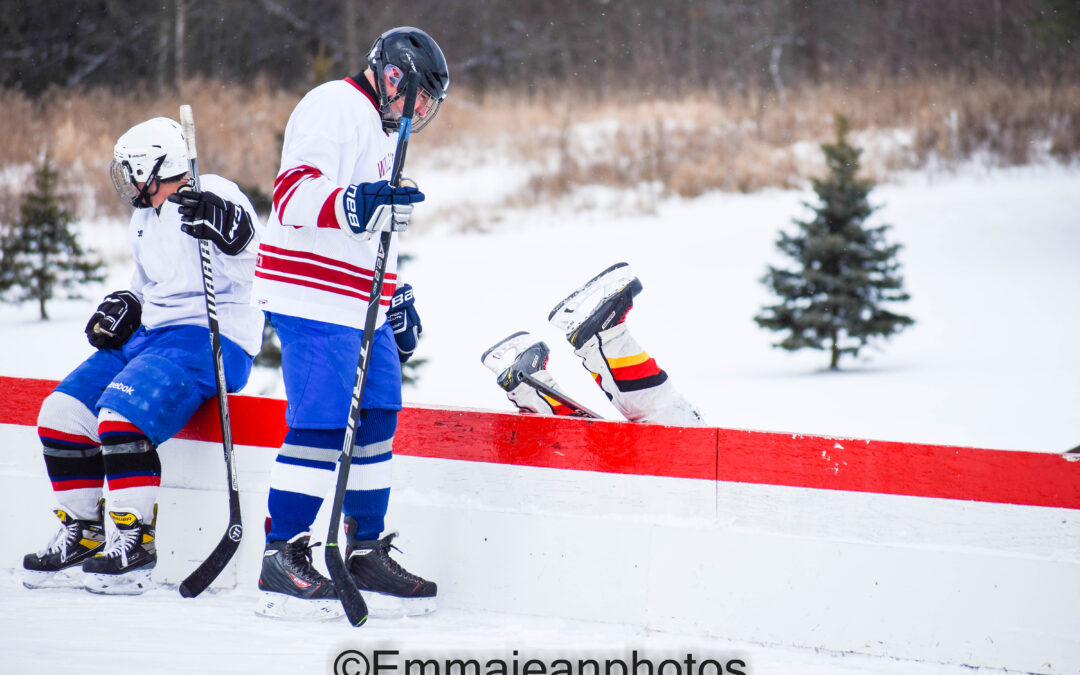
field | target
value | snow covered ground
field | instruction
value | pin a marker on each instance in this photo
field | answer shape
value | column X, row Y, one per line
column 990, row 260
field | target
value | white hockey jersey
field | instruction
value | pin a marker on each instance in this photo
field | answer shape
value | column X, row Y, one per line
column 168, row 272
column 307, row 267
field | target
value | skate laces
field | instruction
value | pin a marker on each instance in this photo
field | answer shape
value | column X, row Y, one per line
column 63, row 538
column 299, row 556
column 120, row 543
column 382, row 550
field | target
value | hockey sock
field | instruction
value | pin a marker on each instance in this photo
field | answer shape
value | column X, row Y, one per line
column 301, row 476
column 367, row 494
column 68, row 433
column 633, row 381
column 132, row 465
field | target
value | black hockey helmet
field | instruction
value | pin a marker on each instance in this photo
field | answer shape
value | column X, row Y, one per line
column 394, row 53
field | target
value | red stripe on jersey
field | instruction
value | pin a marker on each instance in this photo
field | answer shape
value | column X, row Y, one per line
column 61, row 485
column 328, row 214
column 361, row 90
column 319, row 273
column 286, row 183
column 637, row 371
column 46, row 432
column 116, row 426
column 153, row 480
column 315, row 257
column 310, row 283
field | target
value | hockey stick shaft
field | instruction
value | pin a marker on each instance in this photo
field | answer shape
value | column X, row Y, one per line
column 554, row 393
column 204, row 574
column 351, row 599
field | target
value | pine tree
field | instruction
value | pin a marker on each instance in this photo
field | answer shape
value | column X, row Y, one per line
column 845, row 271
column 40, row 255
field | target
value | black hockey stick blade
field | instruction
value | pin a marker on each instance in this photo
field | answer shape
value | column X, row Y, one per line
column 1072, row 455
column 204, row 575
column 356, row 610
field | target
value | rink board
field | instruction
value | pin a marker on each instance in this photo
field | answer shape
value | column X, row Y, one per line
column 930, row 553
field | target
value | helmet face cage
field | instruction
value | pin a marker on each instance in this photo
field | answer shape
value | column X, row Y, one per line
column 127, row 187
column 401, row 49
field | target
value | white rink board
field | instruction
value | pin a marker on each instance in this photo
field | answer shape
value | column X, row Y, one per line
column 927, row 580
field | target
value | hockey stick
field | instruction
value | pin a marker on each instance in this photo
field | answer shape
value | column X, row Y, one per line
column 209, row 570
column 551, row 392
column 355, row 608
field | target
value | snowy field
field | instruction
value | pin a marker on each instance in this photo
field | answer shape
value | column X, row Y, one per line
column 990, row 260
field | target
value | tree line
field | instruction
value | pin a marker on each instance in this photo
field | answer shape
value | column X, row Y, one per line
column 606, row 46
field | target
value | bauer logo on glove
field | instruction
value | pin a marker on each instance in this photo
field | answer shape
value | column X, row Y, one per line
column 405, row 321
column 370, row 208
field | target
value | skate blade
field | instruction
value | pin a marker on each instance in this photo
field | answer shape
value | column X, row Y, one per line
column 572, row 311
column 290, row 608
column 501, row 356
column 135, row 582
column 382, row 606
column 71, row 577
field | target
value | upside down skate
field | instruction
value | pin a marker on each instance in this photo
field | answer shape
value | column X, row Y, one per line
column 598, row 305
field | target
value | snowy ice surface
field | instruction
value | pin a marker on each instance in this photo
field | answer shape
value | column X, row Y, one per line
column 990, row 261
column 68, row 630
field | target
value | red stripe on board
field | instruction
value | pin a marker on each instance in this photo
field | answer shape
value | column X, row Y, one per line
column 945, row 472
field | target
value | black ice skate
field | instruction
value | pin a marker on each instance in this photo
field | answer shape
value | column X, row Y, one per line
column 521, row 358
column 597, row 306
column 123, row 567
column 390, row 590
column 60, row 564
column 291, row 587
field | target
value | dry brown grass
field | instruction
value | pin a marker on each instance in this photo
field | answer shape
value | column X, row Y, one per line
column 687, row 145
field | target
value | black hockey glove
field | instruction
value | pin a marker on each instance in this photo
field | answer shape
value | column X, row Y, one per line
column 115, row 321
column 204, row 215
column 405, row 321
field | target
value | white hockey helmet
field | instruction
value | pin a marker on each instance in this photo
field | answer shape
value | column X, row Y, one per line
column 148, row 152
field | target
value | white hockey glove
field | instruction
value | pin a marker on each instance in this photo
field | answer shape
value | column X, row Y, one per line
column 370, row 208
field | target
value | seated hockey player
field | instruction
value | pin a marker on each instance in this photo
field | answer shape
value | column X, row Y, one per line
column 152, row 368
column 594, row 321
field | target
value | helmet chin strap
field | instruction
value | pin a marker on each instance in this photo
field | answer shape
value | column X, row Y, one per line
column 142, row 200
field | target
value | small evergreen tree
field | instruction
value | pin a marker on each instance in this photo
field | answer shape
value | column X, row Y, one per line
column 40, row 255
column 845, row 271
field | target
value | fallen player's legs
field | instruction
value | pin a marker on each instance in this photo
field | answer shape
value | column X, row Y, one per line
column 594, row 319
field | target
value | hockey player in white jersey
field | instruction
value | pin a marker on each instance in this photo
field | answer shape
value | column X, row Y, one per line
column 152, row 368
column 313, row 279
column 594, row 321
